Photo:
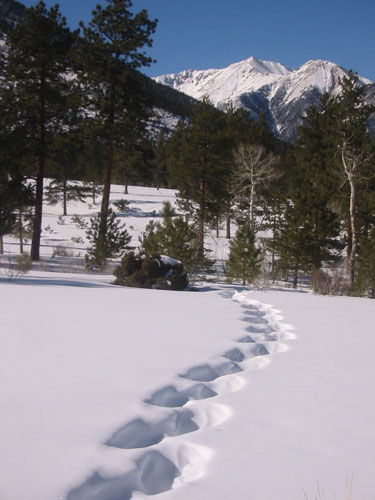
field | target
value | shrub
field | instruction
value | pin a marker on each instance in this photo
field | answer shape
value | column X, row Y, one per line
column 77, row 239
column 18, row 267
column 329, row 283
column 79, row 222
column 122, row 205
column 23, row 264
column 60, row 251
column 48, row 229
column 154, row 271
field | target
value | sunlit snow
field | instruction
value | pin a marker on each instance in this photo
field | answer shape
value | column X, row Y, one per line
column 226, row 393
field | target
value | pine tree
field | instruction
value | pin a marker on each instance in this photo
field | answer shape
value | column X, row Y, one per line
column 112, row 49
column 66, row 153
column 365, row 266
column 14, row 196
column 244, row 260
column 176, row 238
column 197, row 154
column 160, row 160
column 36, row 79
column 354, row 163
column 115, row 244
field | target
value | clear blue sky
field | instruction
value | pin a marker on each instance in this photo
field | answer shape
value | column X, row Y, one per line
column 204, row 34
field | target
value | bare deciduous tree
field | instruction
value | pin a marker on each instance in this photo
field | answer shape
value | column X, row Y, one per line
column 254, row 167
column 353, row 163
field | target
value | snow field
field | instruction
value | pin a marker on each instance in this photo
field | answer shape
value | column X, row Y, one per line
column 114, row 393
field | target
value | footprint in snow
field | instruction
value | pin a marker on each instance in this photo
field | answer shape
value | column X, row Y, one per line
column 153, row 471
column 170, row 397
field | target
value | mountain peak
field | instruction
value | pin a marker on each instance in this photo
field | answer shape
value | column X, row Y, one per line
column 263, row 87
column 266, row 66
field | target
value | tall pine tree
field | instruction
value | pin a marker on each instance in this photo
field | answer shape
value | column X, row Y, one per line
column 36, row 79
column 112, row 48
column 197, row 161
column 244, row 258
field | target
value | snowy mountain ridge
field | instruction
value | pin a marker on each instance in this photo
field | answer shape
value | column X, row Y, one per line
column 263, row 86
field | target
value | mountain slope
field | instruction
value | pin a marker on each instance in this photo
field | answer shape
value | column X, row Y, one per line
column 11, row 13
column 170, row 104
column 263, row 86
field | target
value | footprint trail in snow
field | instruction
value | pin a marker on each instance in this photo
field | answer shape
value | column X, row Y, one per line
column 186, row 406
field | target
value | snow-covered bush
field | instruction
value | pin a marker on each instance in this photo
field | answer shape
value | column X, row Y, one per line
column 156, row 271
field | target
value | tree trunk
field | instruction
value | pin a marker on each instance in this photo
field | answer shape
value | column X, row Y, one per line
column 349, row 240
column 228, row 235
column 20, row 231
column 37, row 227
column 273, row 247
column 108, row 169
column 295, row 279
column 353, row 249
column 65, row 196
column 1, row 245
column 251, row 201
column 295, row 275
column 202, row 214
column 126, row 182
column 106, row 192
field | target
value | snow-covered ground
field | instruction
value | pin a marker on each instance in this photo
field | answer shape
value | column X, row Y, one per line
column 112, row 393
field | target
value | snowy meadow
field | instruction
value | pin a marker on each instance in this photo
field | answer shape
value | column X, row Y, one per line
column 225, row 393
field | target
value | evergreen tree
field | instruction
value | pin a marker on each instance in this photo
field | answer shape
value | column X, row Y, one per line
column 244, row 260
column 293, row 241
column 353, row 163
column 62, row 191
column 160, row 160
column 111, row 51
column 310, row 185
column 36, row 79
column 197, row 160
column 115, row 244
column 14, row 196
column 66, row 153
column 364, row 282
column 176, row 238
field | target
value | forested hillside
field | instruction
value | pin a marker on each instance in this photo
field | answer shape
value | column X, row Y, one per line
column 11, row 12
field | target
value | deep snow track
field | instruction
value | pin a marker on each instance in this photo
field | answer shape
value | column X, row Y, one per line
column 188, row 407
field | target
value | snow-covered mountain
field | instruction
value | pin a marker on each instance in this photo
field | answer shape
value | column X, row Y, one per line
column 263, row 86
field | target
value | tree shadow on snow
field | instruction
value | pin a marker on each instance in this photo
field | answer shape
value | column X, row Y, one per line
column 53, row 282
